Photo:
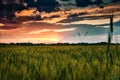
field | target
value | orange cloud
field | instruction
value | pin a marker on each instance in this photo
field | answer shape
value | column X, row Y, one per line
column 33, row 40
column 39, row 31
column 1, row 24
column 52, row 30
column 25, row 12
column 94, row 11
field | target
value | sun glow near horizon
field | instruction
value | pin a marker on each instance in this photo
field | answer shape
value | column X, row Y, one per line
column 32, row 40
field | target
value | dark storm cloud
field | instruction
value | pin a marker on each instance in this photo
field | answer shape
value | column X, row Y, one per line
column 84, row 3
column 9, row 7
column 42, row 5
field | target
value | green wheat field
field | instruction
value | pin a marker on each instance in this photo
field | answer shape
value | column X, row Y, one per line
column 52, row 62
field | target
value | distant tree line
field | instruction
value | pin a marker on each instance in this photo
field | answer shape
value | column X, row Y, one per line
column 38, row 44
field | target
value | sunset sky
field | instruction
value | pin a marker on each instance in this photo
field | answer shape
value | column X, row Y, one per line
column 66, row 21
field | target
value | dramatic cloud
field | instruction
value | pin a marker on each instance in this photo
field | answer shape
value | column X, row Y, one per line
column 34, row 21
column 9, row 7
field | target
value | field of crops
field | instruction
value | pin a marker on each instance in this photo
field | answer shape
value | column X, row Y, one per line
column 59, row 63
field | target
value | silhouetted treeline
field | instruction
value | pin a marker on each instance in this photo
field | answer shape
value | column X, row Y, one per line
column 38, row 44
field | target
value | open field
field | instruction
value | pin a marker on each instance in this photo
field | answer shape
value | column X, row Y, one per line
column 59, row 63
